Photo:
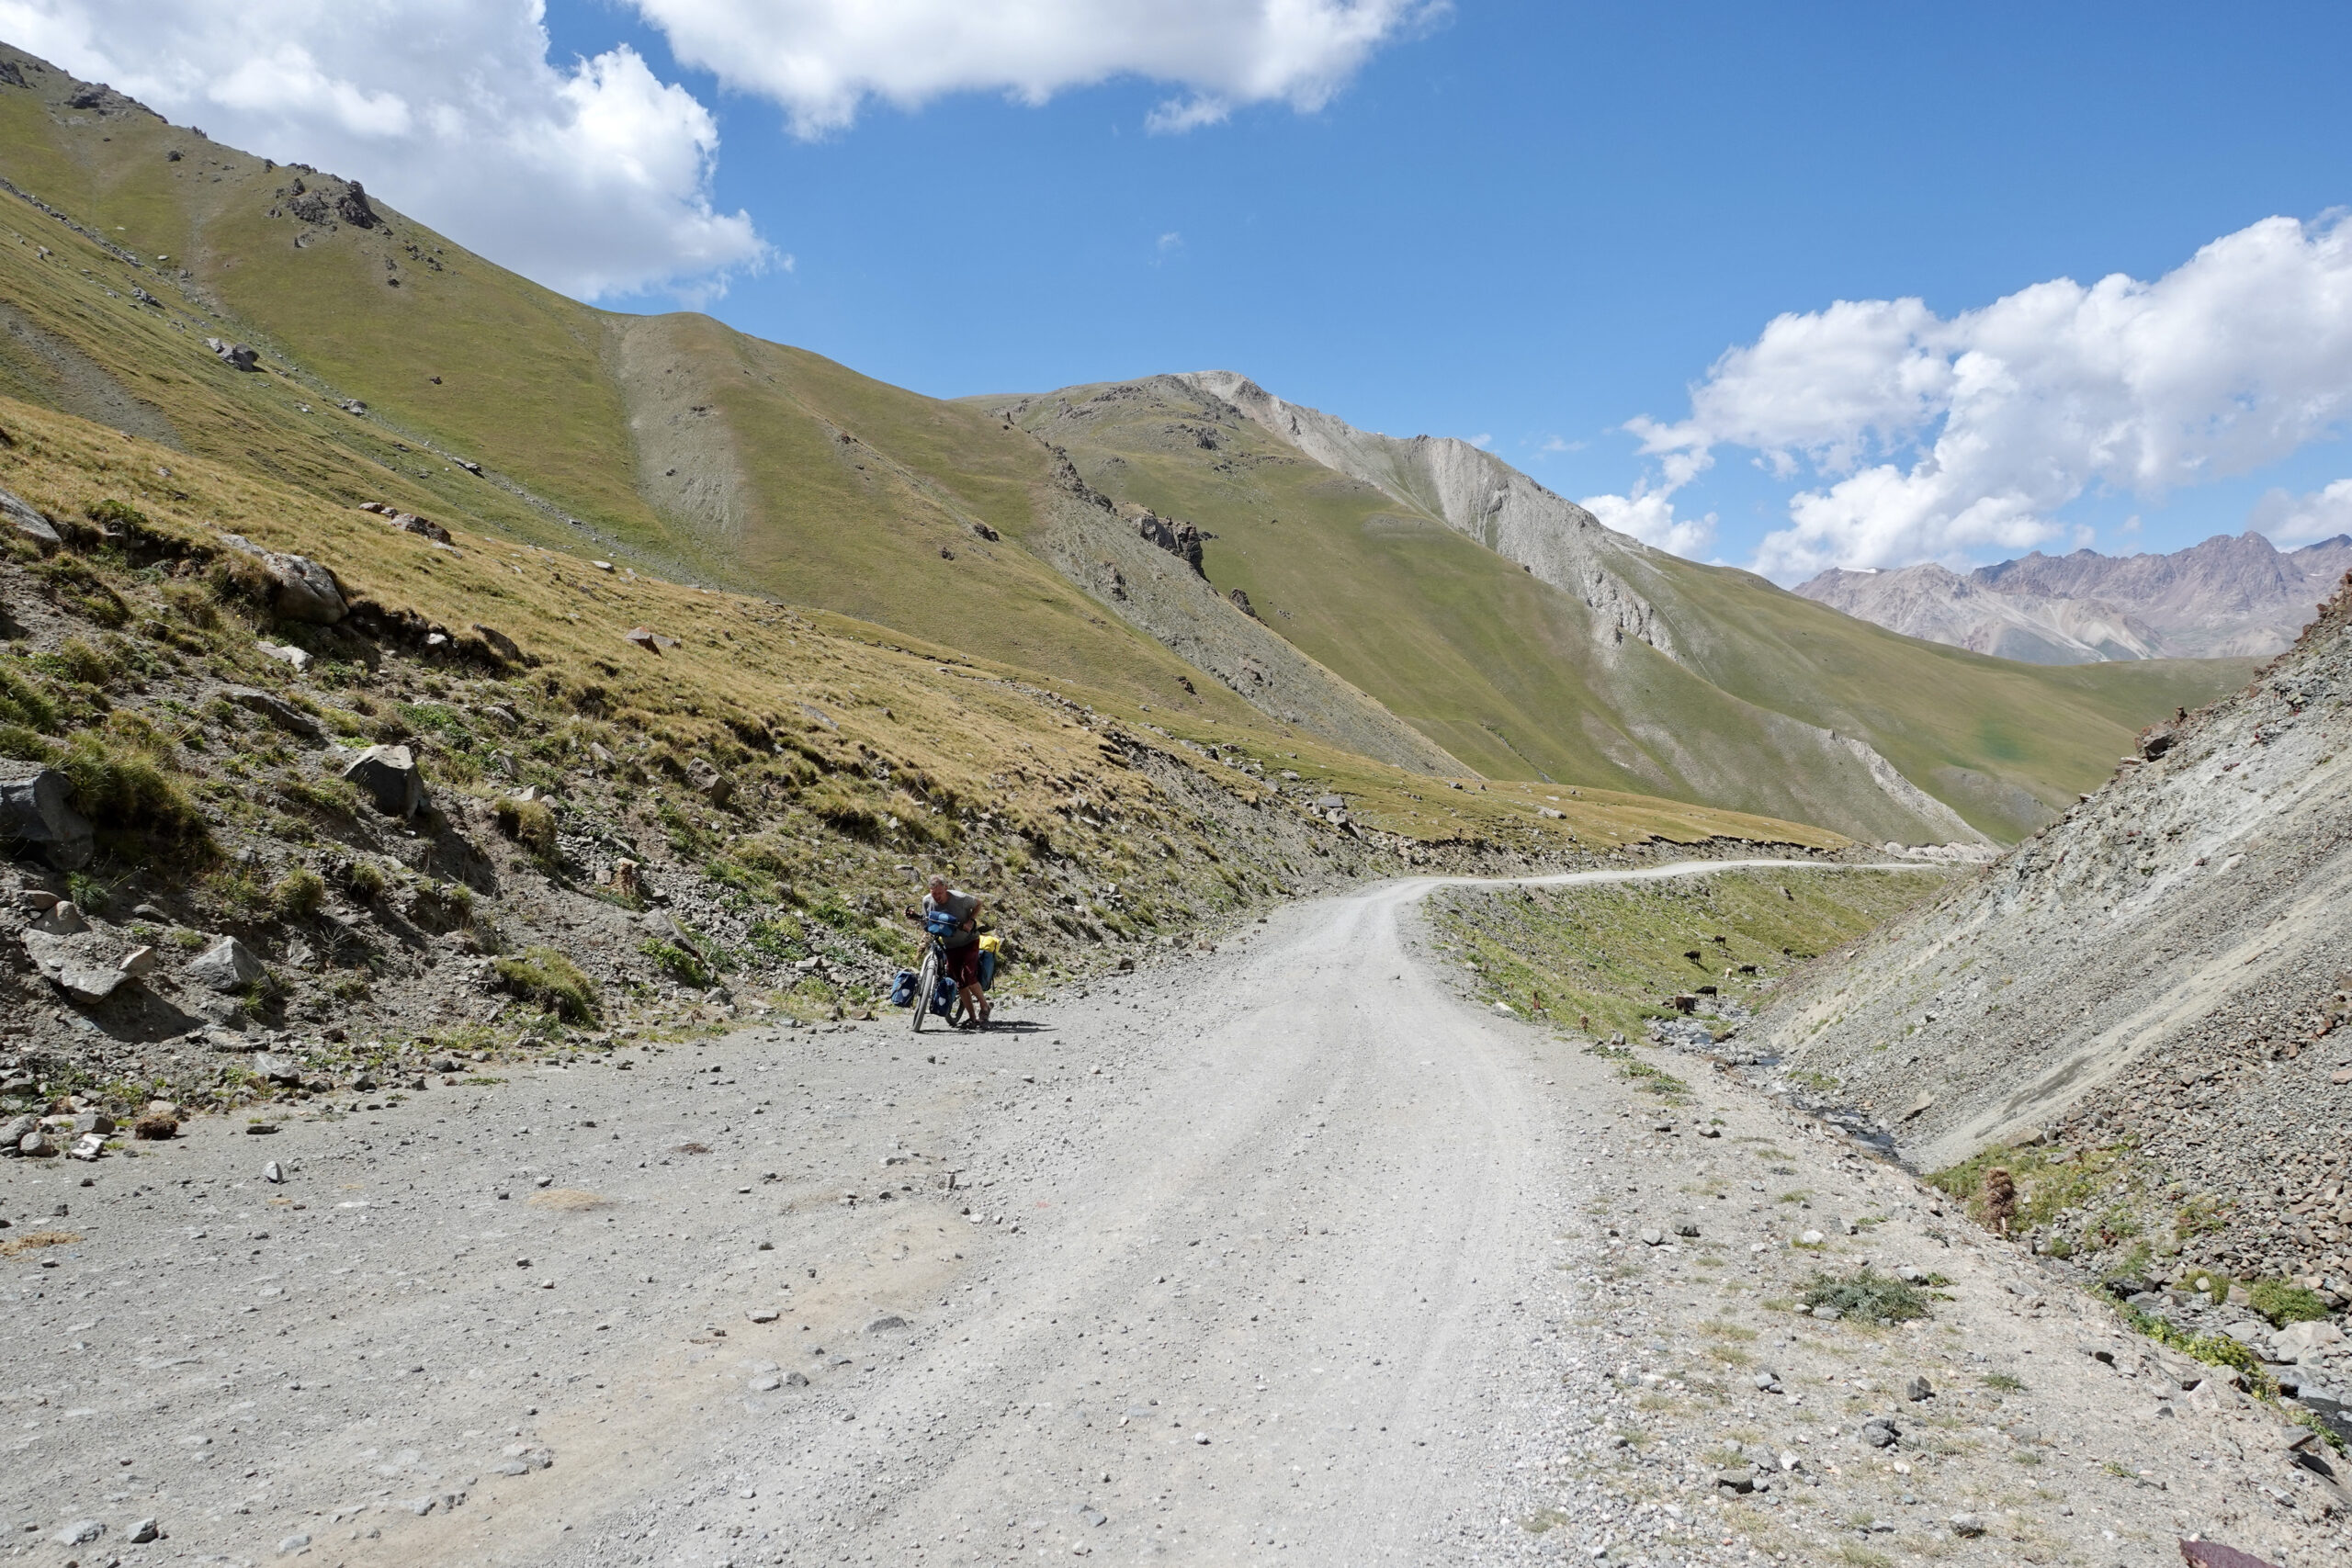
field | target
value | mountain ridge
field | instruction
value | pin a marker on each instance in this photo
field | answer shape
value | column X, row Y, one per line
column 2228, row 596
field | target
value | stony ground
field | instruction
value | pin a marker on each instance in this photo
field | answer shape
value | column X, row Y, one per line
column 1284, row 1253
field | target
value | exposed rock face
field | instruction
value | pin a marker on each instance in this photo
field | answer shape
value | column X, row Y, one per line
column 224, row 966
column 2168, row 969
column 1472, row 490
column 390, row 776
column 353, row 208
column 25, row 522
column 1182, row 541
column 1936, row 604
column 36, row 808
column 2227, row 597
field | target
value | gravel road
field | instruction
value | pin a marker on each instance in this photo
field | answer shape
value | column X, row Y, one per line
column 1258, row 1256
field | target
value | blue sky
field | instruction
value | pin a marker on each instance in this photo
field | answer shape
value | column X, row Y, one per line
column 1529, row 221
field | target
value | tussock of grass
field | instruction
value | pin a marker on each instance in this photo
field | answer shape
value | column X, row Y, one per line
column 543, row 975
column 2284, row 1302
column 1867, row 1295
column 299, row 893
column 530, row 823
column 128, row 792
column 680, row 963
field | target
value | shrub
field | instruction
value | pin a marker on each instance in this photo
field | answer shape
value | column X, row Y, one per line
column 546, row 977
column 1866, row 1294
column 2284, row 1303
column 680, row 963
column 22, row 745
column 528, row 822
column 2213, row 1350
column 299, row 893
column 368, row 879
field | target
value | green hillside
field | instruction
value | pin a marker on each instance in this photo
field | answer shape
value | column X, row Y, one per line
column 677, row 447
column 1515, row 676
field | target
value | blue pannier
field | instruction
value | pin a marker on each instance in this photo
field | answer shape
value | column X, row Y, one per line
column 902, row 989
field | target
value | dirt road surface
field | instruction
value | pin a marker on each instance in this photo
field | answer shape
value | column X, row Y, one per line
column 1282, row 1254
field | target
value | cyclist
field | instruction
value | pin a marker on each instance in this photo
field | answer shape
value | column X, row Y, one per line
column 961, row 959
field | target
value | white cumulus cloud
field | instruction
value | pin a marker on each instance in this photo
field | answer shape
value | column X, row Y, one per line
column 823, row 60
column 2298, row 519
column 592, row 176
column 1918, row 437
column 1650, row 518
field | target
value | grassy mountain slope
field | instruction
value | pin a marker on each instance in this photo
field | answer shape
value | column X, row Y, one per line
column 670, row 442
column 851, row 753
column 676, row 446
column 1512, row 674
column 2004, row 743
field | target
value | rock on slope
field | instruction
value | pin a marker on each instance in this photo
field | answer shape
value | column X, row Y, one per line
column 2224, row 598
column 2167, row 970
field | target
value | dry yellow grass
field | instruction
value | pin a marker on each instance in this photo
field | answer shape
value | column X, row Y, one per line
column 18, row 1247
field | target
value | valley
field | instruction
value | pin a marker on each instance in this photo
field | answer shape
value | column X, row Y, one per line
column 1511, row 1046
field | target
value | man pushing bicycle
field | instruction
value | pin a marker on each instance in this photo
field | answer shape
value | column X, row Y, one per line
column 959, row 943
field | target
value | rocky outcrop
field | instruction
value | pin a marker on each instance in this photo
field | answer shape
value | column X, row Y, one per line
column 301, row 589
column 36, row 810
column 1473, row 492
column 1182, row 541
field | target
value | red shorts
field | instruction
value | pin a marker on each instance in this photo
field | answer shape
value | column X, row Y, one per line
column 962, row 964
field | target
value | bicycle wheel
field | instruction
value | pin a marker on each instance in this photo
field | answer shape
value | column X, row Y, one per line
column 926, row 981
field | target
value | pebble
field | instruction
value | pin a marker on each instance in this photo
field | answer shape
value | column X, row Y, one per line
column 144, row 1531
column 1967, row 1525
column 293, row 1543
column 81, row 1532
column 273, row 1172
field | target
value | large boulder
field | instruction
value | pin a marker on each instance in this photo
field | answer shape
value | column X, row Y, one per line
column 275, row 709
column 303, row 590
column 25, row 521
column 36, row 809
column 390, row 777
column 306, row 590
column 84, row 967
column 227, row 965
